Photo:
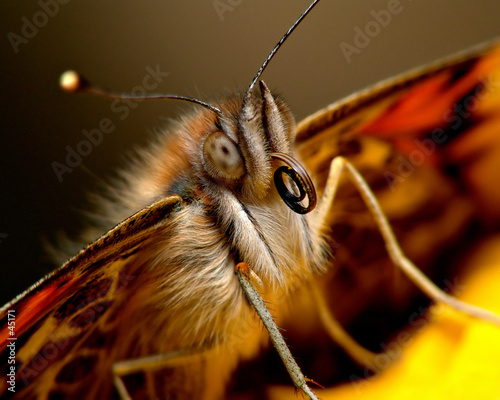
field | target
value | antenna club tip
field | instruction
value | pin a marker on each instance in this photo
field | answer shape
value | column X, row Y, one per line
column 72, row 81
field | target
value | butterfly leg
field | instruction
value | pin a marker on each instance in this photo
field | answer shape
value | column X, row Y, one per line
column 158, row 361
column 338, row 166
column 339, row 335
column 253, row 296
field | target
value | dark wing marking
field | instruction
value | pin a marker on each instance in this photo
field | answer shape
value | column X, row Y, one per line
column 78, row 292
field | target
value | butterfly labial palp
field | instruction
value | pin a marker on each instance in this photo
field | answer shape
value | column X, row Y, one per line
column 217, row 208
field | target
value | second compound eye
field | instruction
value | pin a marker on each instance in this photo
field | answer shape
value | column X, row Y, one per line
column 222, row 157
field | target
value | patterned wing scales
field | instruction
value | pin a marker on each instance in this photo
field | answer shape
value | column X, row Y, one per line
column 67, row 324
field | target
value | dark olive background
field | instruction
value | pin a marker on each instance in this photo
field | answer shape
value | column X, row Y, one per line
column 113, row 42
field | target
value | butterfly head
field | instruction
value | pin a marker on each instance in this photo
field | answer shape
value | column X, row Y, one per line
column 238, row 154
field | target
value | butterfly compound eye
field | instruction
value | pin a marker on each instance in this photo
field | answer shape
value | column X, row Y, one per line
column 222, row 157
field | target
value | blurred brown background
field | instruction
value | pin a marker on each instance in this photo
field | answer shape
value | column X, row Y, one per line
column 203, row 51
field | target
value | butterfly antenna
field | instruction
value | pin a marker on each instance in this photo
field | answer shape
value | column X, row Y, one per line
column 278, row 45
column 73, row 82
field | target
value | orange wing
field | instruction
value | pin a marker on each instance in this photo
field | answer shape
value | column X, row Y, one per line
column 445, row 115
column 57, row 317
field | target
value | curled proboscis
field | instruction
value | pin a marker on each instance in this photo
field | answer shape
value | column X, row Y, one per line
column 303, row 186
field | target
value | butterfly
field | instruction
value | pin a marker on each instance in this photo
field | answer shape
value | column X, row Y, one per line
column 92, row 302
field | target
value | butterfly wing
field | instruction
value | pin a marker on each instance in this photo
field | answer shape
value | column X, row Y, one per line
column 445, row 115
column 63, row 321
